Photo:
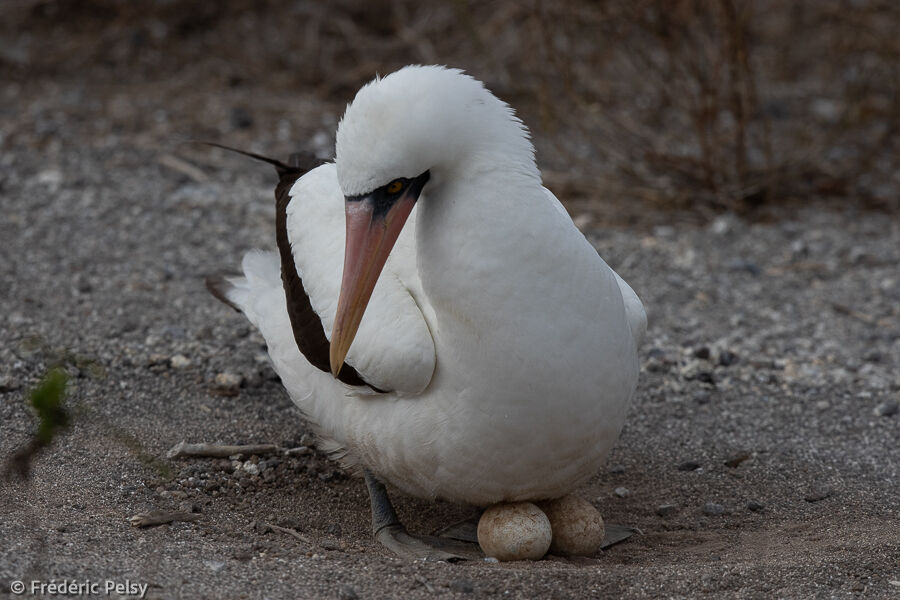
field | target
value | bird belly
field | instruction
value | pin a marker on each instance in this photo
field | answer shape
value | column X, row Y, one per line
column 528, row 430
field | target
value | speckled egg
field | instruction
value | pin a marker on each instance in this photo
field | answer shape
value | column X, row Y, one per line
column 577, row 526
column 514, row 531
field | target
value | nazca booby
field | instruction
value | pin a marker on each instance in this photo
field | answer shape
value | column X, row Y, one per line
column 485, row 351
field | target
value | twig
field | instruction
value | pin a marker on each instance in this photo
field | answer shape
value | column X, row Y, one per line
column 291, row 532
column 183, row 449
column 160, row 517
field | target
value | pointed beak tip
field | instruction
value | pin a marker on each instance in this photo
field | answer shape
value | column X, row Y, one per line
column 336, row 361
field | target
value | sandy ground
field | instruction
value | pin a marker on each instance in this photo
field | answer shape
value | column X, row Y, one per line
column 766, row 412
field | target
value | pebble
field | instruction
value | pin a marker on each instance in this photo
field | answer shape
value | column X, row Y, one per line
column 736, row 460
column 242, row 555
column 241, row 118
column 666, row 510
column 617, row 469
column 462, row 586
column 622, row 492
column 695, row 370
column 228, row 384
column 755, row 506
column 817, row 494
column 712, row 509
column 886, row 409
column 701, row 397
column 727, row 358
column 689, row 465
column 347, row 592
column 179, row 361
column 8, row 384
column 329, row 545
column 260, row 527
column 214, row 565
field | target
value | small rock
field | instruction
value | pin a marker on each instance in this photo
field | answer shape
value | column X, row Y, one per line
column 754, row 506
column 334, row 529
column 706, row 377
column 695, row 370
column 189, row 507
column 702, row 353
column 8, row 384
column 622, row 492
column 712, row 509
column 817, row 494
column 347, row 592
column 179, row 361
column 251, row 468
column 462, row 586
column 727, row 358
column 260, row 527
column 736, row 460
column 617, row 469
column 241, row 118
column 874, row 356
column 720, row 226
column 689, row 465
column 227, row 384
column 666, row 510
column 329, row 545
column 214, row 565
column 701, row 397
column 743, row 265
column 157, row 360
column 886, row 409
column 51, row 178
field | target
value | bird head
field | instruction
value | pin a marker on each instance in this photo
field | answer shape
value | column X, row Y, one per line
column 405, row 134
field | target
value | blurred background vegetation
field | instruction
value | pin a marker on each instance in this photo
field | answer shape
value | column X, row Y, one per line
column 704, row 105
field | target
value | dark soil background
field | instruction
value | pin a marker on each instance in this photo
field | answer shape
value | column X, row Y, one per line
column 736, row 162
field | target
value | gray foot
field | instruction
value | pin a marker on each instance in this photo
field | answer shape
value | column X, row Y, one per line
column 463, row 531
column 390, row 532
column 406, row 545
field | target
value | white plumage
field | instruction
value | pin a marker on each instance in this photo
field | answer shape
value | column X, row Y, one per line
column 508, row 345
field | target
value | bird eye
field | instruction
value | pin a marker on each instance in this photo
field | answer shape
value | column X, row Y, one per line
column 395, row 186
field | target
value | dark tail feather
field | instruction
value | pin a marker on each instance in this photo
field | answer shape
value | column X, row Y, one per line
column 298, row 163
column 219, row 286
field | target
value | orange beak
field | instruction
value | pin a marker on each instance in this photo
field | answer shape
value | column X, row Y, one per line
column 373, row 227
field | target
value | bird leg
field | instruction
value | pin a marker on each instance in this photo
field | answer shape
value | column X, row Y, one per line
column 391, row 533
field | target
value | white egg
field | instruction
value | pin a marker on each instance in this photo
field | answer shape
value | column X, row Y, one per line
column 515, row 531
column 577, row 526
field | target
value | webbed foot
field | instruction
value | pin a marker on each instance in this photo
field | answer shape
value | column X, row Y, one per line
column 392, row 535
column 406, row 545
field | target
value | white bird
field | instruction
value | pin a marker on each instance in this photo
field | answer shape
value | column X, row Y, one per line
column 486, row 352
